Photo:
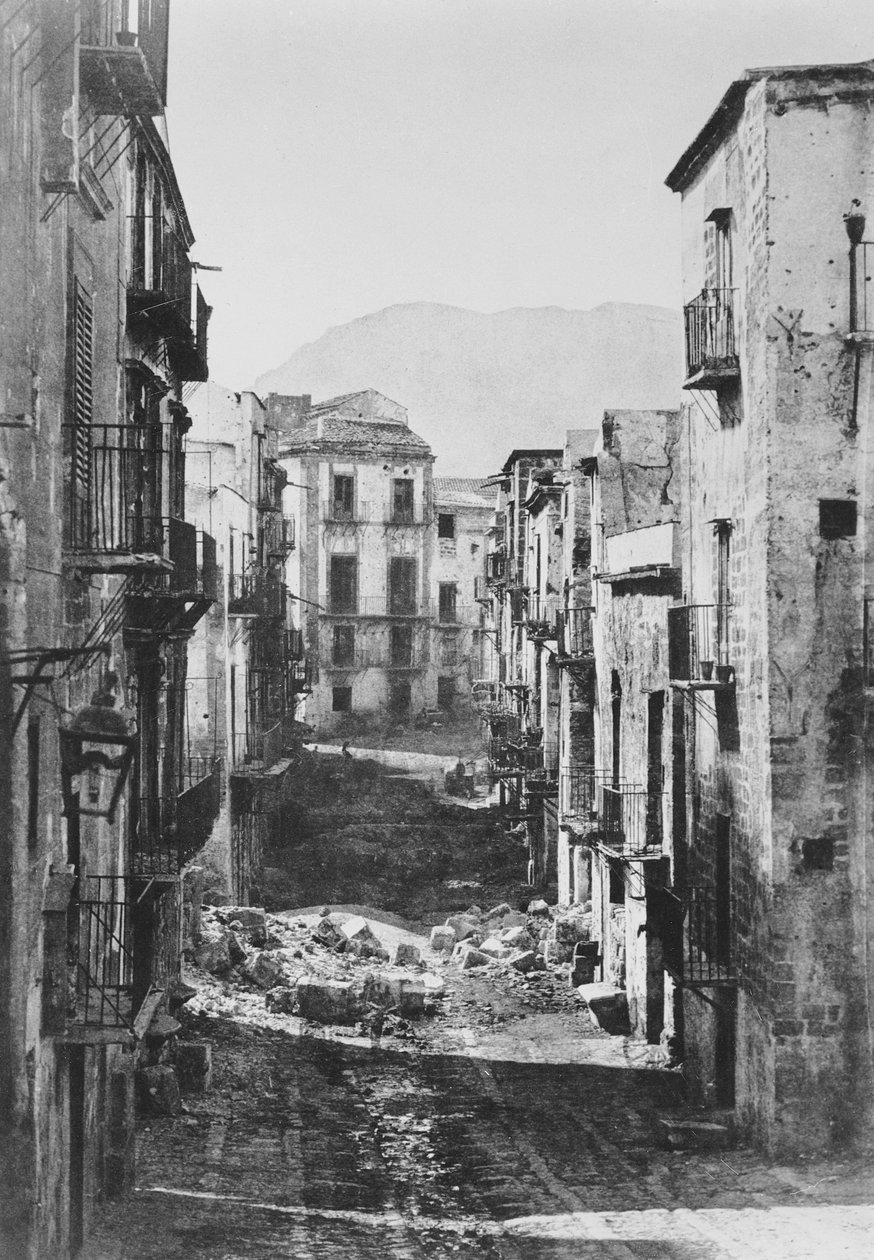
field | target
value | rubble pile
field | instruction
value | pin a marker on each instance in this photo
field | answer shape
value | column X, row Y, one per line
column 263, row 968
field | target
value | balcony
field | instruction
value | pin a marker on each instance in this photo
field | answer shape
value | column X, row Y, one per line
column 255, row 594
column 189, row 348
column 496, row 566
column 102, row 1006
column 337, row 512
column 300, row 678
column 163, row 301
column 711, row 347
column 698, row 937
column 542, row 617
column 574, row 634
column 256, row 750
column 294, row 644
column 119, row 79
column 481, row 593
column 577, row 795
column 630, row 819
column 698, row 643
column 197, row 808
column 283, row 542
column 540, row 767
column 115, row 488
column 398, row 604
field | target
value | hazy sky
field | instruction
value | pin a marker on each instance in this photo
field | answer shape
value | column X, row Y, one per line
column 339, row 156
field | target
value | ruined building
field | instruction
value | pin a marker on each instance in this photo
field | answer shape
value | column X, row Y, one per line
column 387, row 606
column 248, row 676
column 104, row 580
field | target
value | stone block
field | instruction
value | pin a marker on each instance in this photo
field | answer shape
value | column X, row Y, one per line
column 413, row 994
column 162, row 1028
column 235, row 949
column 495, row 948
column 442, row 939
column 213, row 953
column 538, row 906
column 158, row 1091
column 517, row 938
column 215, row 897
column 572, row 925
column 608, row 1007
column 246, row 916
column 472, row 957
column 498, row 912
column 328, row 1001
column 523, row 960
column 266, row 971
column 356, row 928
column 281, row 1001
column 462, row 925
column 557, row 952
column 693, row 1134
column 328, row 933
column 433, row 985
column 515, row 918
column 406, row 954
column 194, row 1066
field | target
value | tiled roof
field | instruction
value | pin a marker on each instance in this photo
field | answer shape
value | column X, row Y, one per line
column 466, row 491
column 341, row 432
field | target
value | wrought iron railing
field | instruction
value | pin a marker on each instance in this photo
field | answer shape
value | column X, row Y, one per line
column 102, row 962
column 257, row 750
column 699, row 936
column 698, row 643
column 574, row 630
column 541, row 617
column 711, row 342
column 577, row 792
column 496, row 566
column 399, row 604
column 197, row 808
column 335, row 512
column 630, row 819
column 115, row 488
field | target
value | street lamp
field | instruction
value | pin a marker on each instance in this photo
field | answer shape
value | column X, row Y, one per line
column 98, row 744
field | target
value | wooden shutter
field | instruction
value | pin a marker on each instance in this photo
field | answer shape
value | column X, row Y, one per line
column 83, row 411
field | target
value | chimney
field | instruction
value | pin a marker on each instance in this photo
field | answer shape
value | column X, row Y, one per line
column 288, row 412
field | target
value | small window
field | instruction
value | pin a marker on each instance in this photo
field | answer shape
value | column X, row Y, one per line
column 837, row 518
column 344, row 584
column 344, row 645
column 341, row 699
column 343, row 504
column 401, row 646
column 449, row 650
column 400, row 698
column 402, row 500
column 445, row 525
column 447, row 601
column 446, row 693
column 402, row 586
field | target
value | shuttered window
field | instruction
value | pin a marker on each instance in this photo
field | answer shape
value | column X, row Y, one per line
column 83, row 410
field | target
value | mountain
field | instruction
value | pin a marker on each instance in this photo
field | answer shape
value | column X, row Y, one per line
column 477, row 385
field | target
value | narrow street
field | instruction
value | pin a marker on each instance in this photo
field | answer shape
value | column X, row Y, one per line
column 502, row 1123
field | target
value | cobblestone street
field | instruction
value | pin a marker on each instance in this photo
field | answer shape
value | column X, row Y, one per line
column 530, row 1138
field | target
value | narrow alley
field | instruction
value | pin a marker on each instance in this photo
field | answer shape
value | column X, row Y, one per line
column 500, row 1123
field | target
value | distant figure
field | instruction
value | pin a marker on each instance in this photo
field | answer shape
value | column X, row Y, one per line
column 345, row 749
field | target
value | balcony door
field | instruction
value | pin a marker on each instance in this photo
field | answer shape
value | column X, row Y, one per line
column 402, row 586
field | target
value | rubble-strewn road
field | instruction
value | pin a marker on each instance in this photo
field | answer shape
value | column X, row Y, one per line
column 314, row 1146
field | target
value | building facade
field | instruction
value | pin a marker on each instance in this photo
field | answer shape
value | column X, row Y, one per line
column 770, row 650
column 104, row 579
column 360, row 483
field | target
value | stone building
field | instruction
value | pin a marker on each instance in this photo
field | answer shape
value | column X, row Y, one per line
column 360, row 486
column 103, row 581
column 635, row 572
column 248, row 675
column 462, row 512
column 770, row 650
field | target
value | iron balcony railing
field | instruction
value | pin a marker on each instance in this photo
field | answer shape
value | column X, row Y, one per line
column 496, row 566
column 116, row 480
column 577, row 793
column 711, row 342
column 197, row 808
column 574, row 633
column 101, row 955
column 335, row 512
column 256, row 594
column 543, row 775
column 255, row 751
column 398, row 604
column 284, row 538
column 630, row 819
column 294, row 644
column 699, row 936
column 542, row 616
column 698, row 643
column 300, row 678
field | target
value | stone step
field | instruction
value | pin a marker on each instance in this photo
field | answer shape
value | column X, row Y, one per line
column 706, row 1132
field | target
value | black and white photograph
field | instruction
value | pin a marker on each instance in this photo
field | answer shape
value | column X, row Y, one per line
column 436, row 630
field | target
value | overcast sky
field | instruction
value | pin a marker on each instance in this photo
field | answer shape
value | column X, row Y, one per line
column 339, row 156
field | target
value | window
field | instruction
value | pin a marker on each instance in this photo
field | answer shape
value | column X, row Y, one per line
column 343, row 502
column 401, row 646
column 445, row 525
column 445, row 693
column 344, row 645
column 837, row 518
column 341, row 699
column 402, row 586
column 400, row 697
column 402, row 499
column 720, row 262
column 446, row 610
column 344, row 584
column 449, row 650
